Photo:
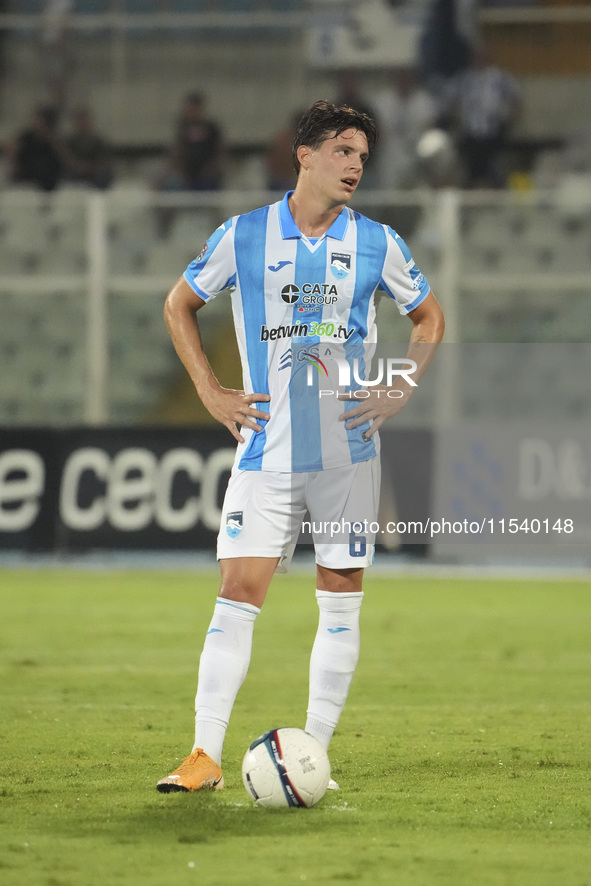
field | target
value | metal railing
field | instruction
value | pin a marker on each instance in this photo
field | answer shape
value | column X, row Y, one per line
column 498, row 262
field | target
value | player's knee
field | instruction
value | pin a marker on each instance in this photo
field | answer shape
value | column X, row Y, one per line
column 246, row 579
column 339, row 580
column 242, row 589
column 241, row 593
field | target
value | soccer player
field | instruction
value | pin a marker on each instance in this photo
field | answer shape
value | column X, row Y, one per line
column 303, row 275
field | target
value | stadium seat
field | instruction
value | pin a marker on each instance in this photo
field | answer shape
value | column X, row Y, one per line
column 28, row 7
column 167, row 259
column 91, row 7
column 62, row 260
column 190, row 228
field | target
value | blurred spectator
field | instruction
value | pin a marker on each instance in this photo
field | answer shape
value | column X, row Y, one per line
column 195, row 159
column 89, row 159
column 573, row 181
column 54, row 49
column 404, row 112
column 449, row 38
column 438, row 159
column 170, row 176
column 483, row 104
column 3, row 41
column 37, row 155
column 281, row 175
column 349, row 95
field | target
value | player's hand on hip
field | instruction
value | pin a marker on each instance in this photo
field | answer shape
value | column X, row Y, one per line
column 376, row 405
column 233, row 408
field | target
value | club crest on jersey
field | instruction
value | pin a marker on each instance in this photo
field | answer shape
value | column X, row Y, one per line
column 340, row 264
column 234, row 524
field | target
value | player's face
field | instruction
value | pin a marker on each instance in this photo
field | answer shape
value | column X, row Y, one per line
column 336, row 166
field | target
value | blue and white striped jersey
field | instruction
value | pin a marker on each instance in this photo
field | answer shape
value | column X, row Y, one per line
column 298, row 305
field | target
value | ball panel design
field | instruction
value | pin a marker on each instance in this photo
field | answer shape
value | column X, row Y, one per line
column 286, row 767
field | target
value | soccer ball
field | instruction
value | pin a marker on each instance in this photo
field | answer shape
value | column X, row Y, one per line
column 286, row 767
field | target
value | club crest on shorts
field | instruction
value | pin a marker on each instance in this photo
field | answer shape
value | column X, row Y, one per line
column 234, row 523
column 340, row 264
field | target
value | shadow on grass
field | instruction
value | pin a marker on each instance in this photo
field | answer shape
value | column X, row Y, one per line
column 205, row 818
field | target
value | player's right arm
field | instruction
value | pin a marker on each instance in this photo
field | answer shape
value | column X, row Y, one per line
column 230, row 407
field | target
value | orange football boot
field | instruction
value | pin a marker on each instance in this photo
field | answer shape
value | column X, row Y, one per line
column 197, row 772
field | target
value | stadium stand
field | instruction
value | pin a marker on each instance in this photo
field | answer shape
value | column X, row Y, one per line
column 515, row 260
column 522, row 260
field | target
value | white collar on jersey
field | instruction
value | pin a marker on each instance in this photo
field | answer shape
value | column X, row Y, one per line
column 289, row 229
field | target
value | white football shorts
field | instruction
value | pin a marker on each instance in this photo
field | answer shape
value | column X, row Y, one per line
column 265, row 511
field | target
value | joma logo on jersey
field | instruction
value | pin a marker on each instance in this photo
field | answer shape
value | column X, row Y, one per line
column 310, row 293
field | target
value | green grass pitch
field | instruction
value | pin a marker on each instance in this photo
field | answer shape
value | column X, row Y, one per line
column 462, row 754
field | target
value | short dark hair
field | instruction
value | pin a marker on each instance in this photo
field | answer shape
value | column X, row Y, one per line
column 325, row 120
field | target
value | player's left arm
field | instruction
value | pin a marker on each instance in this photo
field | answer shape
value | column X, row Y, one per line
column 428, row 327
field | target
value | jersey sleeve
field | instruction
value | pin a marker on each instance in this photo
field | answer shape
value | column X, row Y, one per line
column 401, row 279
column 214, row 269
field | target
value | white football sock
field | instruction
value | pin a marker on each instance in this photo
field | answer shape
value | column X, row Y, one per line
column 222, row 668
column 333, row 661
